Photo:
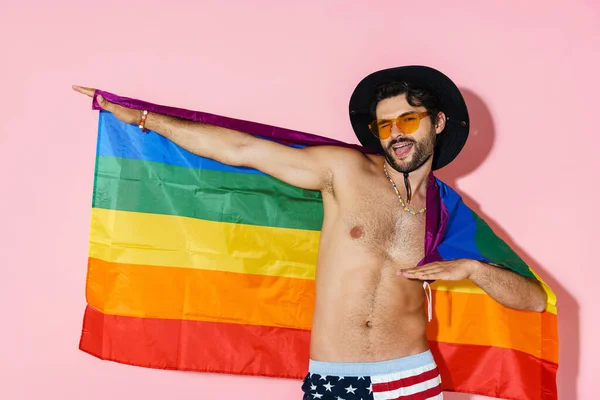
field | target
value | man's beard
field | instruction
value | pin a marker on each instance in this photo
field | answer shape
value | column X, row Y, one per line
column 422, row 151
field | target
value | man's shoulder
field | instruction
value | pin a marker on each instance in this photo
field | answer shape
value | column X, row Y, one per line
column 352, row 165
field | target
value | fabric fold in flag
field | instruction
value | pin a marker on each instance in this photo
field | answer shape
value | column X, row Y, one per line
column 199, row 266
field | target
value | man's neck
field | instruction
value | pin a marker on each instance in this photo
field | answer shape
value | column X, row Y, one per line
column 419, row 178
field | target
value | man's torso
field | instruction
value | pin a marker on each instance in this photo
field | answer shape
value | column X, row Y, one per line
column 365, row 312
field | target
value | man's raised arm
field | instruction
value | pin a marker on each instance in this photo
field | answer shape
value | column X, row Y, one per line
column 308, row 168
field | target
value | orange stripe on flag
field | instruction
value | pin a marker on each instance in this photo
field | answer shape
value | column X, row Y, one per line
column 194, row 294
column 458, row 320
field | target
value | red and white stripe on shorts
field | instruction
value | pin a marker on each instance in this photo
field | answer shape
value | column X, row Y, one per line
column 414, row 384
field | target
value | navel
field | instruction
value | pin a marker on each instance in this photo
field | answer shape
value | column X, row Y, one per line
column 356, row 232
column 368, row 324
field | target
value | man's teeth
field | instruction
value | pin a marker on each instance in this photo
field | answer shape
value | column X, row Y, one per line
column 401, row 145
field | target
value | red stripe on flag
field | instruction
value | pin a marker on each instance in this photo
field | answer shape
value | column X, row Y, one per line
column 279, row 352
column 196, row 345
column 405, row 382
column 495, row 372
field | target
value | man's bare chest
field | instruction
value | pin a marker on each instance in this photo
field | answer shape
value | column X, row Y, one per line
column 376, row 222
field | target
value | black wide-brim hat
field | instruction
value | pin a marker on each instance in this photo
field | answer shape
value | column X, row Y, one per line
column 449, row 142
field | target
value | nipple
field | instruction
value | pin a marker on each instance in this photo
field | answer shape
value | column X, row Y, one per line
column 356, row 232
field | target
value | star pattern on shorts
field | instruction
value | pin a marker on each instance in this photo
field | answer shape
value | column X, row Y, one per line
column 330, row 387
column 351, row 389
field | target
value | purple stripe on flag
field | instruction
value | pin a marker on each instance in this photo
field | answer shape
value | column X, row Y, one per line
column 435, row 222
column 254, row 128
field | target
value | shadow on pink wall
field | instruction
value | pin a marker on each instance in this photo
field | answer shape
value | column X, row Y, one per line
column 476, row 150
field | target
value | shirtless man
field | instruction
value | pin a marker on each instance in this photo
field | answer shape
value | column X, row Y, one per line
column 369, row 322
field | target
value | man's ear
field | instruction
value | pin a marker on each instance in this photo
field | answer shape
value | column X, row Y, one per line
column 440, row 123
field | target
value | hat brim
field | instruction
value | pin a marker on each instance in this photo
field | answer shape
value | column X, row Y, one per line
column 450, row 141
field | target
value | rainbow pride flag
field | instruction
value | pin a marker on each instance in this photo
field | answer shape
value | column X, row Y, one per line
column 199, row 266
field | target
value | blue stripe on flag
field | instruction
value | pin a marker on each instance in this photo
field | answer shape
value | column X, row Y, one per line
column 459, row 240
column 118, row 139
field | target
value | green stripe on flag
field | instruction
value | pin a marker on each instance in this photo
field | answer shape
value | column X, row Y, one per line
column 150, row 187
column 496, row 250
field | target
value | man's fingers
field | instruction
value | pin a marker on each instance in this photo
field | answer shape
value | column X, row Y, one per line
column 103, row 103
column 439, row 274
column 422, row 269
column 90, row 92
column 124, row 114
column 418, row 270
column 84, row 90
column 434, row 264
column 432, row 276
column 420, row 274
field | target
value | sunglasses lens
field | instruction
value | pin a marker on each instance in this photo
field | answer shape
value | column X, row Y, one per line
column 381, row 128
column 409, row 123
column 373, row 128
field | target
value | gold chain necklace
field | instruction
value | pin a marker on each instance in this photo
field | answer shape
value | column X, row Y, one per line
column 400, row 199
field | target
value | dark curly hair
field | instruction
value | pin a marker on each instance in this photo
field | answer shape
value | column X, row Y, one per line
column 415, row 95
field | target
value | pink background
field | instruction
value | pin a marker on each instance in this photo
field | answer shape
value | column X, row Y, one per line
column 529, row 71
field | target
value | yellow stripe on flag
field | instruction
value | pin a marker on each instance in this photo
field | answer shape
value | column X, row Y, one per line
column 467, row 286
column 173, row 241
column 194, row 294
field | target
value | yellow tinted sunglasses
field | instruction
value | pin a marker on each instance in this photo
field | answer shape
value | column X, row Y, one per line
column 406, row 123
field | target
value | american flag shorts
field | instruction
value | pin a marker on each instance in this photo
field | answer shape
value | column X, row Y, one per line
column 408, row 378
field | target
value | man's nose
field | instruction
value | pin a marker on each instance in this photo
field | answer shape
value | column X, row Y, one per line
column 395, row 131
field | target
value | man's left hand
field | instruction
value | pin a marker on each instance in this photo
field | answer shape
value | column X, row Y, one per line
column 453, row 270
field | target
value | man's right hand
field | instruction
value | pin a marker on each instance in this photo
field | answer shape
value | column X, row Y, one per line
column 125, row 114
